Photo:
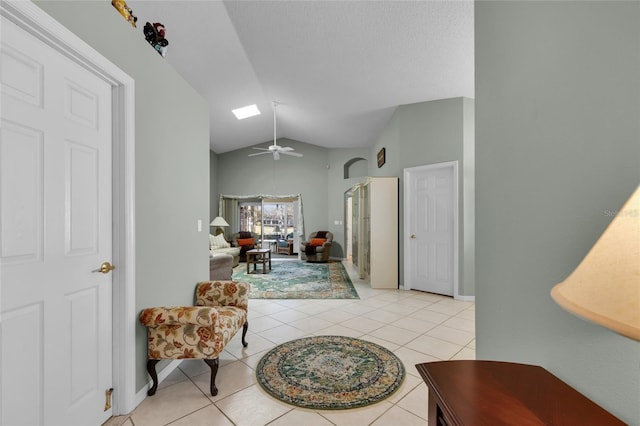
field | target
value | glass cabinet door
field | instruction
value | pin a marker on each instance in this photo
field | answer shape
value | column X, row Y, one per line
column 366, row 229
column 355, row 225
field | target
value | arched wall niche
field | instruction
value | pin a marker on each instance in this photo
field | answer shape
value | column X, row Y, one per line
column 356, row 167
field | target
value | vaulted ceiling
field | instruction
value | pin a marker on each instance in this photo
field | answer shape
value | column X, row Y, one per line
column 338, row 69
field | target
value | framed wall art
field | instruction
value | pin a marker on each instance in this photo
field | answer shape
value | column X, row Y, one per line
column 381, row 157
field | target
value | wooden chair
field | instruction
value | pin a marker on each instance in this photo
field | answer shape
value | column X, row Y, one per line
column 284, row 247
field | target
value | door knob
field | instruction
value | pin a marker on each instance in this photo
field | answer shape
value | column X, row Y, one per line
column 413, row 236
column 105, row 268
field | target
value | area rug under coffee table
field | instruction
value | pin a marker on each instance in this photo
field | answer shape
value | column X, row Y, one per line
column 330, row 372
column 299, row 280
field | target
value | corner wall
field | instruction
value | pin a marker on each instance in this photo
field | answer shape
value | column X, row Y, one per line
column 557, row 107
column 430, row 133
column 213, row 187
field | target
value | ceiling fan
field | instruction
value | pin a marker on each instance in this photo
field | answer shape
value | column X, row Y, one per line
column 276, row 149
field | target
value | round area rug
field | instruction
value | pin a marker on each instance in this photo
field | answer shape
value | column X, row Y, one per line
column 330, row 372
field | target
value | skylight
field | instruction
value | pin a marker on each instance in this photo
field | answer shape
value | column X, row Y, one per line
column 246, row 112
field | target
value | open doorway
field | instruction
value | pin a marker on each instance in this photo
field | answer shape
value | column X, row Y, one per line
column 348, row 224
column 274, row 220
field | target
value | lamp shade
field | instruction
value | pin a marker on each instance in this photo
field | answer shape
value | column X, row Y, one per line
column 219, row 221
column 605, row 287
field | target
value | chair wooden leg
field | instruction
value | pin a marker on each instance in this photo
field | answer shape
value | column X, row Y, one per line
column 245, row 327
column 151, row 368
column 213, row 365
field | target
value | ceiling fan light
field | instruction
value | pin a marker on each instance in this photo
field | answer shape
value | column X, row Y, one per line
column 246, row 111
column 275, row 149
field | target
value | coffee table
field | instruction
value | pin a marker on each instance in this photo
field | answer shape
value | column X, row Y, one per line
column 255, row 256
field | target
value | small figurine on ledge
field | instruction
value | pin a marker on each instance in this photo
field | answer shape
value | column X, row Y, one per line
column 125, row 11
column 154, row 34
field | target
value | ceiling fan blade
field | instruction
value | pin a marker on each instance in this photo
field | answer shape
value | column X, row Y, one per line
column 261, row 149
column 285, row 148
column 293, row 154
column 276, row 155
column 258, row 153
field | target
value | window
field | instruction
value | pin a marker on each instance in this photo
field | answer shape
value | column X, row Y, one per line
column 271, row 216
column 250, row 213
column 273, row 221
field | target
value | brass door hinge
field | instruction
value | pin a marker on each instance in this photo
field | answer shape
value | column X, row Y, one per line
column 107, row 395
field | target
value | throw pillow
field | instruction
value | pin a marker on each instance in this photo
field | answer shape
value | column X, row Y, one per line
column 245, row 242
column 317, row 241
column 218, row 242
column 212, row 241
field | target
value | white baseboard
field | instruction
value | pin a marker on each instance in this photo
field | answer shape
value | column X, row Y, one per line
column 142, row 394
column 456, row 297
column 465, row 298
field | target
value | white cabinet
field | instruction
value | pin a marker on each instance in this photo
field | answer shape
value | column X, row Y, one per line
column 375, row 229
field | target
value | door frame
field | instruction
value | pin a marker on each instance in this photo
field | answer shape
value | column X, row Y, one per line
column 35, row 21
column 348, row 231
column 408, row 198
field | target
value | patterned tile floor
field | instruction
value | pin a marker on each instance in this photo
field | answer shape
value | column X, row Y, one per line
column 418, row 327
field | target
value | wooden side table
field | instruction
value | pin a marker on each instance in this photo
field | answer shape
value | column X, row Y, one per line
column 503, row 393
column 255, row 256
column 287, row 249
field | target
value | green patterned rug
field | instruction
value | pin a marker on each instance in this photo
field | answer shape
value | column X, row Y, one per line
column 298, row 280
column 330, row 372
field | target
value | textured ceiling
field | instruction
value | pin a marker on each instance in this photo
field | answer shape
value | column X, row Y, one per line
column 337, row 68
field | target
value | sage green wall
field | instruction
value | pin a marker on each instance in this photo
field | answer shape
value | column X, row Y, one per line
column 359, row 167
column 318, row 176
column 429, row 133
column 172, row 163
column 213, row 186
column 417, row 134
column 557, row 107
column 238, row 174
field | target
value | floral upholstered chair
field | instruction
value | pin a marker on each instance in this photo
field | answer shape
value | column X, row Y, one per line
column 197, row 332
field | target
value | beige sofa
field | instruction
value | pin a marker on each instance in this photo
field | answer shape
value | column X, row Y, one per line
column 220, row 267
column 218, row 245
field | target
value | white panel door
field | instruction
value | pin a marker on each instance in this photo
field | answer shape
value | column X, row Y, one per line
column 430, row 203
column 55, row 229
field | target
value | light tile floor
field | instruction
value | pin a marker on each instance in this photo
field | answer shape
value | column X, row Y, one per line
column 418, row 327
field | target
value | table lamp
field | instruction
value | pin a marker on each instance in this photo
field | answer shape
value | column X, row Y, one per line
column 605, row 287
column 219, row 222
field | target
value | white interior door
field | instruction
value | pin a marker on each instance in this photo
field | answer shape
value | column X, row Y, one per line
column 55, row 229
column 431, row 228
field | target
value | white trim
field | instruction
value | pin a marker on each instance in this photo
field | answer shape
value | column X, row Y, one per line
column 124, row 313
column 142, row 393
column 456, row 221
column 34, row 20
